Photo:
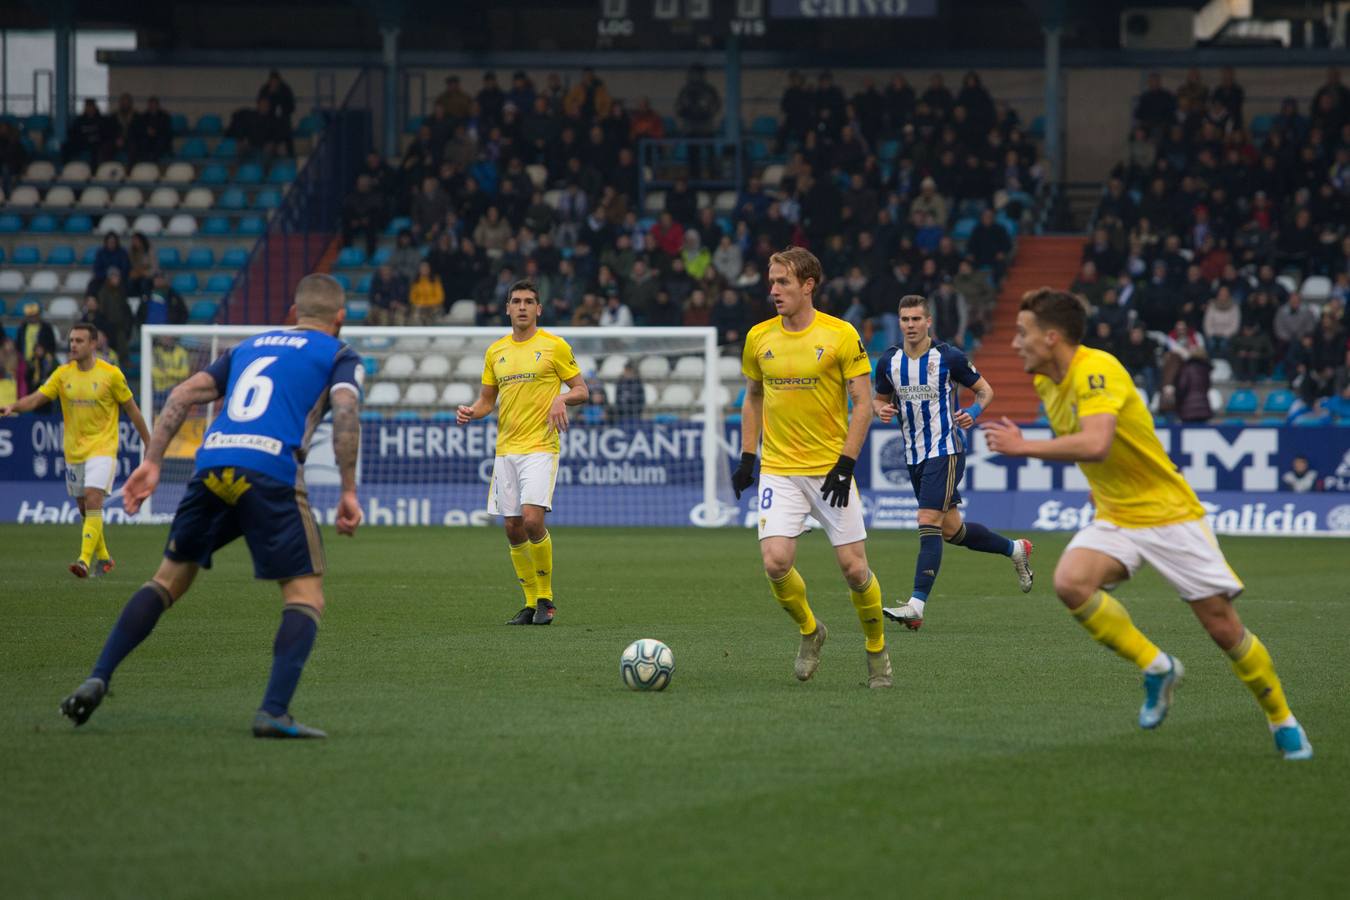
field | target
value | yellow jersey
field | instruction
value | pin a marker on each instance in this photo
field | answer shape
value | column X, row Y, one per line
column 805, row 398
column 89, row 405
column 1137, row 485
column 528, row 375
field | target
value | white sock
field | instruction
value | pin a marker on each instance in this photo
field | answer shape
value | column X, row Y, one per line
column 1160, row 665
column 1287, row 722
column 917, row 604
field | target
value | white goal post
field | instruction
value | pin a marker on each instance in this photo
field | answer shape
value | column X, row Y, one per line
column 654, row 452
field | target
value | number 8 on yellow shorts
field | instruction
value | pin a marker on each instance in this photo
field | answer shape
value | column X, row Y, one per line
column 786, row 500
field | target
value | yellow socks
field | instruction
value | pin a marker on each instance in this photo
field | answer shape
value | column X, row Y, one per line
column 101, row 551
column 790, row 592
column 91, row 536
column 1252, row 663
column 867, row 602
column 1109, row 624
column 541, row 552
column 524, row 566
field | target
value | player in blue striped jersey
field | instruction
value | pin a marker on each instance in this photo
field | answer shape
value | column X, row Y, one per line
column 916, row 386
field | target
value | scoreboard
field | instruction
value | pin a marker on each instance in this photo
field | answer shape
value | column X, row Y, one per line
column 673, row 23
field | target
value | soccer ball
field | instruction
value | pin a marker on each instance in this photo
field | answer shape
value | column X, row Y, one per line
column 646, row 665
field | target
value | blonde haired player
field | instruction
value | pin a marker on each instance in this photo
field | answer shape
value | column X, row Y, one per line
column 91, row 391
column 1146, row 512
column 802, row 369
column 525, row 369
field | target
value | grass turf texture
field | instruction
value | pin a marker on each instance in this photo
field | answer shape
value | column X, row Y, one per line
column 472, row 759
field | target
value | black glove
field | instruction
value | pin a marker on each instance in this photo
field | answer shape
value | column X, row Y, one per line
column 744, row 476
column 838, row 481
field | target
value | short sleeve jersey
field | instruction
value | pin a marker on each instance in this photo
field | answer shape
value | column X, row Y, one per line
column 924, row 392
column 528, row 376
column 1137, row 485
column 274, row 391
column 89, row 405
column 804, row 374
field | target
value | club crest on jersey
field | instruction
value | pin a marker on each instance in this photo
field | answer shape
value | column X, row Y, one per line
column 537, row 354
column 1096, row 382
column 820, row 351
column 768, row 354
column 503, row 359
column 932, row 369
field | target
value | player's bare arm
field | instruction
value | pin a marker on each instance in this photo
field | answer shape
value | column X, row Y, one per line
column 26, row 404
column 346, row 449
column 577, row 394
column 860, row 416
column 984, row 395
column 137, row 420
column 486, row 402
column 200, row 388
column 1091, row 444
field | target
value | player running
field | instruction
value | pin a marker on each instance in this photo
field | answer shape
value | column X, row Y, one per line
column 1146, row 512
column 91, row 391
column 526, row 368
column 249, row 481
column 916, row 383
column 802, row 369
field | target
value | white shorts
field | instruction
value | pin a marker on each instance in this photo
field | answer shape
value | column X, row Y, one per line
column 786, row 500
column 522, row 479
column 94, row 472
column 1186, row 554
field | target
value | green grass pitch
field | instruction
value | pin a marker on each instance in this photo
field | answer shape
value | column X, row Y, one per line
column 468, row 759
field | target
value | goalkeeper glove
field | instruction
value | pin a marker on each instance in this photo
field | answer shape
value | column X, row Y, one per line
column 744, row 476
column 838, row 481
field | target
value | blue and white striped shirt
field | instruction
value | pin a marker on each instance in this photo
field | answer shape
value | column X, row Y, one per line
column 923, row 391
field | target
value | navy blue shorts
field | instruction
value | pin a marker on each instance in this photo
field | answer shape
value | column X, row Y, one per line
column 227, row 502
column 935, row 481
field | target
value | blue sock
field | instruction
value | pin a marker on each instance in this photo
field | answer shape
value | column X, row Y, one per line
column 975, row 536
column 929, row 561
column 295, row 638
column 133, row 626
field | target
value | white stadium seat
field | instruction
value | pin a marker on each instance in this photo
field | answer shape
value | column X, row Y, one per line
column 1316, row 288
column 1287, row 283
column 613, row 365
column 1221, row 373
column 11, row 280
column 399, row 365
column 420, row 393
column 199, row 198
column 179, row 173
column 688, row 367
column 44, row 280
column 25, row 195
column 59, row 197
column 470, row 366
column 676, row 396
column 725, row 202
column 382, row 394
column 655, row 202
column 538, row 175
column 457, row 393
column 586, row 363
column 112, row 170
column 41, row 170
column 64, row 308
column 128, row 198
column 772, row 175
column 653, row 367
column 78, row 279
column 721, row 396
column 148, row 224
column 94, row 197
column 144, row 173
column 75, row 171
column 462, row 312
column 434, row 366
column 163, row 198
column 182, row 225
column 729, row 368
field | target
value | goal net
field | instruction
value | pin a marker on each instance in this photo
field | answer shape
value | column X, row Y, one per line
column 651, row 448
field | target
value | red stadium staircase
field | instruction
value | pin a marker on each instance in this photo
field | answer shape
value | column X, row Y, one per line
column 1044, row 260
column 266, row 290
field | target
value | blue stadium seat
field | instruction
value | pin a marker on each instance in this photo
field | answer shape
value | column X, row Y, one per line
column 343, row 280
column 234, row 258
column 200, row 258
column 41, row 123
column 10, row 224
column 219, row 283
column 26, row 255
column 228, row 148
column 1243, row 402
column 407, row 415
column 208, row 125
column 216, row 225
column 756, row 150
column 764, row 126
column 232, row 199
column 185, row 282
column 2, row 254
column 370, row 415
column 889, row 150
column 252, row 226
column 396, row 224
column 1279, row 402
column 79, row 224
column 267, row 199
column 1262, row 124
column 178, row 123
column 248, row 173
column 370, row 364
column 310, row 125
column 1008, row 225
column 358, row 311
column 413, row 123
column 193, row 149
column 351, row 258
column 363, row 286
column 169, row 258
column 3, row 309
column 203, row 312
column 485, row 173
column 381, row 256
column 88, row 256
column 42, row 224
column 1037, row 129
column 282, row 172
column 61, row 255
column 213, row 175
column 963, row 227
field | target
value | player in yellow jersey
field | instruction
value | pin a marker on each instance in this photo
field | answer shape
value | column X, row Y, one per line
column 1146, row 512
column 803, row 368
column 526, row 369
column 91, row 391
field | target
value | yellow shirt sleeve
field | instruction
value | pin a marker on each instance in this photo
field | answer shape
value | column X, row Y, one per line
column 51, row 388
column 121, row 392
column 852, row 354
column 488, row 376
column 565, row 361
column 750, row 360
column 1099, row 387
